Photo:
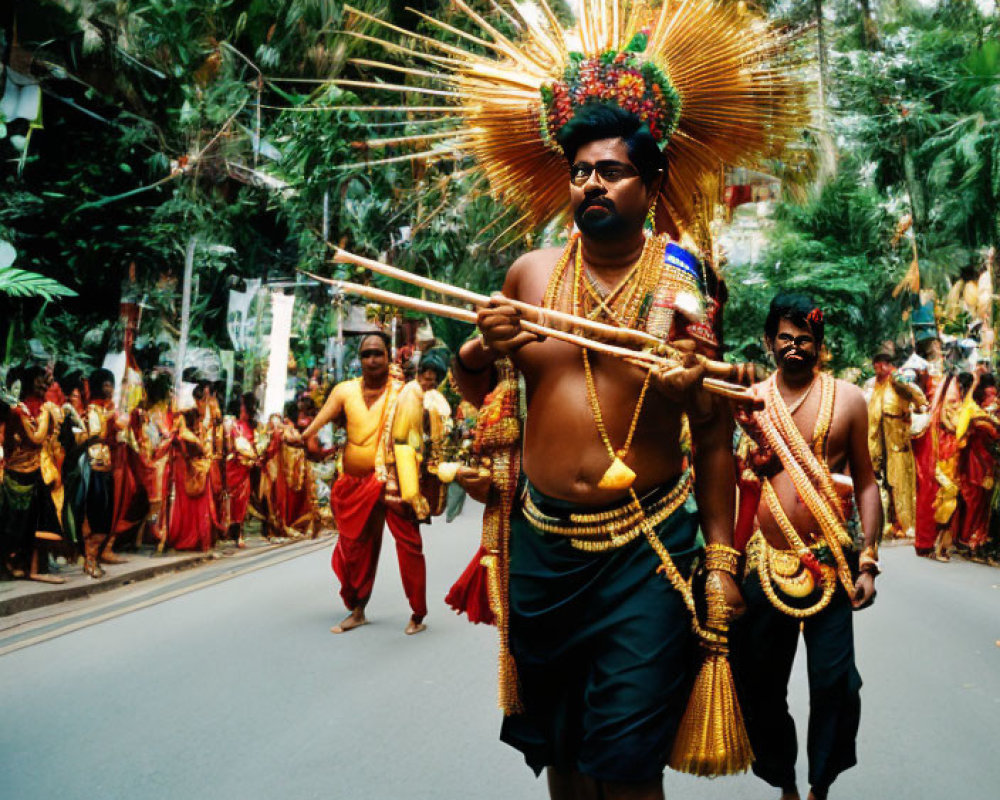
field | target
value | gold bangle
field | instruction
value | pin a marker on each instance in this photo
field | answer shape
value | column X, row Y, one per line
column 722, row 558
column 868, row 560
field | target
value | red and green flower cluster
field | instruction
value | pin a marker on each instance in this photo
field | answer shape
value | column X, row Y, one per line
column 624, row 79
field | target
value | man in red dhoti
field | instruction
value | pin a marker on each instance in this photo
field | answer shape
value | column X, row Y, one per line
column 379, row 482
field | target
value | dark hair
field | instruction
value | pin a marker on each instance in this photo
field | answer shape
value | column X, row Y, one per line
column 310, row 404
column 291, row 410
column 595, row 121
column 98, row 378
column 379, row 334
column 985, row 382
column 799, row 309
column 158, row 388
column 28, row 375
column 249, row 401
column 964, row 380
column 72, row 380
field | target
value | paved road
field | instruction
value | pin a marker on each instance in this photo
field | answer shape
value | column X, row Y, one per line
column 238, row 691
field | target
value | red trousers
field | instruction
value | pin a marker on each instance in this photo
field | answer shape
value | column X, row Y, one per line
column 360, row 511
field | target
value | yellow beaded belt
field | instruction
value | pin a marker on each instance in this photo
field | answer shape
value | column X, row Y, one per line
column 612, row 528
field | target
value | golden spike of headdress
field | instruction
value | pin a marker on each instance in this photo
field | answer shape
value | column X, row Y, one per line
column 429, row 41
column 449, row 110
column 733, row 93
column 418, row 137
column 392, row 47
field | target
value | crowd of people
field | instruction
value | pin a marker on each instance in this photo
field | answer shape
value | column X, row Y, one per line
column 934, row 438
column 83, row 479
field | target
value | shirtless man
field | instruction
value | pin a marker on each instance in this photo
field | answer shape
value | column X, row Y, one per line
column 601, row 639
column 379, row 483
column 802, row 564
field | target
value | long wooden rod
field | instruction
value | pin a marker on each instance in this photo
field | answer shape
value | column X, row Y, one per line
column 650, row 360
column 626, row 337
column 637, row 341
column 465, row 315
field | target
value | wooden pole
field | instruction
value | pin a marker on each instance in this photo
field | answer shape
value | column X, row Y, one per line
column 644, row 359
column 185, row 315
column 632, row 339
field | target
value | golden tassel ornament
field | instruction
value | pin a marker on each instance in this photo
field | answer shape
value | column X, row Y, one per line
column 508, row 697
column 712, row 738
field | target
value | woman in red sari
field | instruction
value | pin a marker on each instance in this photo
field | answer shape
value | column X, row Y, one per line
column 241, row 461
column 291, row 495
column 978, row 433
column 192, row 520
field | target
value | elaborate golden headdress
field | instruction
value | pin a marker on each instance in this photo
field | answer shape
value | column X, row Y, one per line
column 714, row 83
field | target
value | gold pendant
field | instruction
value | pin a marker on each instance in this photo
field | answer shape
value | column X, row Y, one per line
column 791, row 577
column 617, row 476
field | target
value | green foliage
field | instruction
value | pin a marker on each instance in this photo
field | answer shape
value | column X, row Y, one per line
column 21, row 283
column 835, row 247
column 914, row 115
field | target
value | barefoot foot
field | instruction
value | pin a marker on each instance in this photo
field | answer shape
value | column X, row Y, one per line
column 354, row 620
column 414, row 627
column 37, row 576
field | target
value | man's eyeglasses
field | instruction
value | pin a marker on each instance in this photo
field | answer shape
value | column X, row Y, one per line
column 786, row 339
column 607, row 171
column 371, row 354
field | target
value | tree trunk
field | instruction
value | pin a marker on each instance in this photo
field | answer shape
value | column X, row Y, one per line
column 821, row 41
column 869, row 30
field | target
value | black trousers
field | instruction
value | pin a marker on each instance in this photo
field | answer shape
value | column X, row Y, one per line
column 763, row 647
column 25, row 507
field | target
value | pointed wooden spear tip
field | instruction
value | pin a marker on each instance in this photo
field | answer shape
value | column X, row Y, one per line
column 316, row 277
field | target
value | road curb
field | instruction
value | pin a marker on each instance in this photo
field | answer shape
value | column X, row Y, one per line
column 60, row 594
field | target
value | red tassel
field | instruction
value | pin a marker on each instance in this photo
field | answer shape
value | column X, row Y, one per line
column 811, row 563
column 470, row 594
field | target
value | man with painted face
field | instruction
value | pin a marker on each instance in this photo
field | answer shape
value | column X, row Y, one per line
column 378, row 483
column 809, row 450
column 601, row 639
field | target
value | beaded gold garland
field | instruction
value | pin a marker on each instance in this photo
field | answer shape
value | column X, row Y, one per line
column 786, row 441
column 606, row 530
column 618, row 475
column 759, row 558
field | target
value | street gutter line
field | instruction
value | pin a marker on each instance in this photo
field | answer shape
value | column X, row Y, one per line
column 152, row 601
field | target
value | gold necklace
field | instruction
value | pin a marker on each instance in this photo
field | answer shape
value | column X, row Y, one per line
column 618, row 475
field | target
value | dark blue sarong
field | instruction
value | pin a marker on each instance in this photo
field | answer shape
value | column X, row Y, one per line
column 603, row 644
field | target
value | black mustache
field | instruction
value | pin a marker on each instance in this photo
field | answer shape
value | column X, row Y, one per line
column 792, row 350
